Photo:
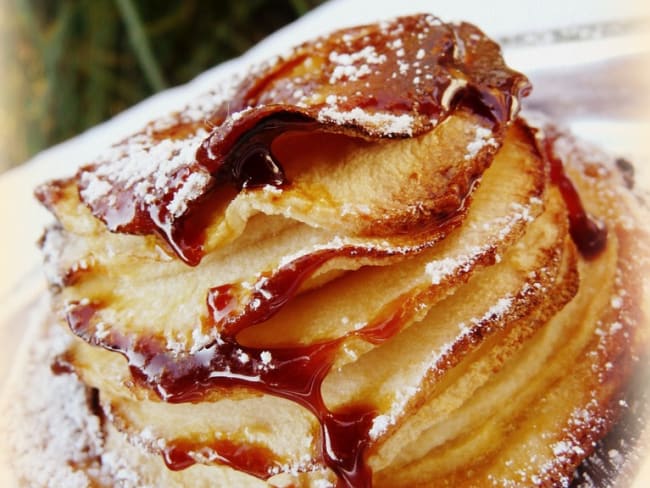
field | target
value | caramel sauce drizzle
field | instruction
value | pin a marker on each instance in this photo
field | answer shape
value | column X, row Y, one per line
column 415, row 68
column 588, row 234
column 293, row 373
column 251, row 459
column 449, row 67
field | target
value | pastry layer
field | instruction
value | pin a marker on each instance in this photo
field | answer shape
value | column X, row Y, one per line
column 351, row 277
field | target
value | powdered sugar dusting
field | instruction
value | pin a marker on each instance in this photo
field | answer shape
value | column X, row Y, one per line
column 499, row 228
column 52, row 246
column 146, row 161
column 189, row 190
column 497, row 311
column 56, row 423
column 441, row 269
column 483, row 137
column 381, row 423
column 381, row 122
column 356, row 65
column 148, row 168
column 384, row 80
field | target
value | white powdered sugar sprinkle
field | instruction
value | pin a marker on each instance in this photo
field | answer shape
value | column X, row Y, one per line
column 482, row 138
column 56, row 424
column 380, row 425
column 354, row 66
column 148, row 162
column 190, row 189
column 146, row 168
column 381, row 122
column 496, row 311
column 52, row 248
column 403, row 396
column 266, row 357
column 440, row 269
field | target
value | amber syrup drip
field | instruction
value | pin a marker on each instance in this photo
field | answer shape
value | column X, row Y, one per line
column 270, row 293
column 293, row 373
column 178, row 458
column 388, row 324
column 248, row 458
column 588, row 234
column 61, row 365
column 249, row 161
column 238, row 155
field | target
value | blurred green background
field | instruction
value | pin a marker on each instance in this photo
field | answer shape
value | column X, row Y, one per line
column 67, row 65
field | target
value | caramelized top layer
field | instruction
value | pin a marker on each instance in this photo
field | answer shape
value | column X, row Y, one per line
column 387, row 259
column 394, row 79
column 292, row 191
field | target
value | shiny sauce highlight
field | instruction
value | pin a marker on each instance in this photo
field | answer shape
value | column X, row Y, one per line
column 293, row 373
column 450, row 67
column 414, row 68
column 588, row 234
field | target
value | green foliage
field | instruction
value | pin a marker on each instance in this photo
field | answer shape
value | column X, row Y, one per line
column 69, row 64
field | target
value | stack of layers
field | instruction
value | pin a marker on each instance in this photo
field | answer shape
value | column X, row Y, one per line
column 356, row 266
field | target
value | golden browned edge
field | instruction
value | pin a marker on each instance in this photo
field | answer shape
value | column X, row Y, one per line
column 607, row 413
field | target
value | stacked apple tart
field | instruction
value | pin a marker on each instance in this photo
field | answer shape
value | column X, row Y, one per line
column 355, row 267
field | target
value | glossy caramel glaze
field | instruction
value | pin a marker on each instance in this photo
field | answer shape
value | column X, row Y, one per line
column 390, row 335
column 397, row 79
column 589, row 234
column 292, row 373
